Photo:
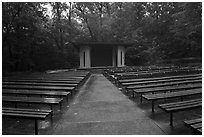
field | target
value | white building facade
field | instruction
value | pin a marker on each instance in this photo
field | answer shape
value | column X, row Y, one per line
column 100, row 55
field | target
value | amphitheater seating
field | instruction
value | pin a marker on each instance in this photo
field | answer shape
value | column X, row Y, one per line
column 22, row 113
column 195, row 125
column 161, row 83
column 38, row 88
column 179, row 94
column 180, row 106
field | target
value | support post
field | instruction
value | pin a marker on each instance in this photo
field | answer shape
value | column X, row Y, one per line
column 171, row 119
column 60, row 105
column 51, row 109
column 36, row 127
column 133, row 95
column 141, row 98
column 152, row 106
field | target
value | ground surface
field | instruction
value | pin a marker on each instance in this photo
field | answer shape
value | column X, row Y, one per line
column 101, row 108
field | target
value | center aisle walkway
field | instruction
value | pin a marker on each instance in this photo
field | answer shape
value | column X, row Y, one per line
column 101, row 109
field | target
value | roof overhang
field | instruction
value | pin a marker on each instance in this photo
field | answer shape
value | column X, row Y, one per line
column 80, row 44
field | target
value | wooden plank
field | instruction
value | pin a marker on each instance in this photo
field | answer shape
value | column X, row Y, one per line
column 25, row 112
column 164, row 89
column 187, row 106
column 152, row 71
column 40, row 84
column 172, row 94
column 37, row 87
column 160, row 81
column 31, row 100
column 158, row 72
column 46, row 81
column 165, row 84
column 200, row 130
column 27, row 109
column 179, row 103
column 159, row 78
column 196, row 126
column 35, row 92
column 30, row 116
column 193, row 121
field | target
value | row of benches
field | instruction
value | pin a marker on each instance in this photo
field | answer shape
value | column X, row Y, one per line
column 164, row 87
column 23, row 113
column 51, row 91
column 139, row 68
column 156, row 71
column 158, row 74
column 195, row 124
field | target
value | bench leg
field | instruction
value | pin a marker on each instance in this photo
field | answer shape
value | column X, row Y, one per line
column 36, row 127
column 171, row 119
column 133, row 95
column 152, row 106
column 71, row 93
column 51, row 109
column 67, row 99
column 141, row 98
column 60, row 105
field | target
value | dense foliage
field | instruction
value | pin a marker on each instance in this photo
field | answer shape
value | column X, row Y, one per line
column 39, row 36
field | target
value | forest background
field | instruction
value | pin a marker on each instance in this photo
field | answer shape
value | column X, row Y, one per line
column 37, row 36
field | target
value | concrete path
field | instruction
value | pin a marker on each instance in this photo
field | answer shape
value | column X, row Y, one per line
column 101, row 109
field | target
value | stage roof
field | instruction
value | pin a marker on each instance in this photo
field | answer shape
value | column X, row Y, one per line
column 79, row 44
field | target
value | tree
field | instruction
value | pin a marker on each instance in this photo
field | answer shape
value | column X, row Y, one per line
column 33, row 39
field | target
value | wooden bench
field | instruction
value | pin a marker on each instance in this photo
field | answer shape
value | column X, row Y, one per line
column 148, row 70
column 130, row 69
column 165, row 84
column 195, row 124
column 35, row 114
column 60, row 94
column 44, row 81
column 37, row 87
column 33, row 100
column 156, row 74
column 164, row 89
column 181, row 94
column 160, row 81
column 179, row 106
column 40, row 84
column 51, row 88
column 159, row 78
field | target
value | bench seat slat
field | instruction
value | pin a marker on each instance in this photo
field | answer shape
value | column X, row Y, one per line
column 46, row 81
column 193, row 121
column 166, row 84
column 156, row 73
column 34, row 92
column 43, row 116
column 174, row 104
column 158, row 78
column 172, row 94
column 160, row 81
column 184, row 107
column 39, row 84
column 162, row 89
column 37, row 87
column 31, row 100
column 196, row 126
column 200, row 130
column 25, row 112
column 27, row 109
